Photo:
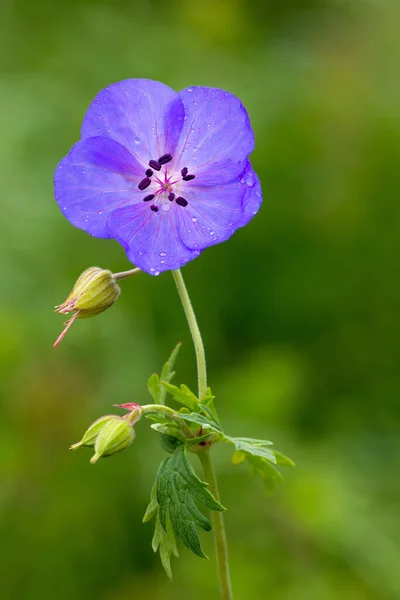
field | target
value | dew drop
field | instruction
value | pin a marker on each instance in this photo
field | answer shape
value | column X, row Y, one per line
column 215, row 238
column 190, row 89
column 250, row 179
column 242, row 181
column 162, row 262
column 156, row 272
column 136, row 140
column 163, row 254
column 100, row 212
column 212, row 232
column 152, row 270
column 140, row 253
column 258, row 193
column 194, row 219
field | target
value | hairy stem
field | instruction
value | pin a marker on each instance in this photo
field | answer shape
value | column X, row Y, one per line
column 195, row 331
column 125, row 274
column 205, row 458
column 221, row 545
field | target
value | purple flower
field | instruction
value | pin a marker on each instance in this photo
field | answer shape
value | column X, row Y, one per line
column 164, row 173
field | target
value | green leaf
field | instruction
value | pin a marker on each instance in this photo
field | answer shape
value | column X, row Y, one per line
column 253, row 447
column 167, row 372
column 154, row 388
column 171, row 429
column 197, row 440
column 195, row 417
column 183, row 395
column 152, row 507
column 270, row 476
column 283, row 460
column 163, row 540
column 177, row 489
column 208, row 401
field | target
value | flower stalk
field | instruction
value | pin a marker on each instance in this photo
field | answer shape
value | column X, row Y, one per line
column 221, row 544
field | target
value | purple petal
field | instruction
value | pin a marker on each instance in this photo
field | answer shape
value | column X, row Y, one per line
column 150, row 238
column 97, row 176
column 216, row 136
column 144, row 116
column 213, row 214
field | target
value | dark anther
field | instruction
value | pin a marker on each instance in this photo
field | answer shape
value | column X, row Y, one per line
column 148, row 198
column 171, row 196
column 154, row 208
column 181, row 201
column 188, row 177
column 164, row 159
column 144, row 183
column 154, row 164
column 149, row 173
column 184, row 171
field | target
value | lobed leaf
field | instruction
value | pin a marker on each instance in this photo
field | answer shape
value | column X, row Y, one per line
column 177, row 489
column 163, row 540
column 253, row 447
column 183, row 395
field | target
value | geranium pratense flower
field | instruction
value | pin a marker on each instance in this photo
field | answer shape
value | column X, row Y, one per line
column 166, row 174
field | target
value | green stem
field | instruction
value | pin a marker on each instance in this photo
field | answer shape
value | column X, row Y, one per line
column 205, row 458
column 125, row 274
column 195, row 331
column 217, row 517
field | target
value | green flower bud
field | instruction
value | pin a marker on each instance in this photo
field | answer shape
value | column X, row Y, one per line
column 114, row 437
column 90, row 435
column 95, row 291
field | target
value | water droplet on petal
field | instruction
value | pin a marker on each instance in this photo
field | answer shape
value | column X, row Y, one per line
column 212, row 232
column 163, row 254
column 215, row 238
column 140, row 253
column 136, row 140
column 152, row 270
column 156, row 272
column 258, row 193
column 162, row 262
column 190, row 89
column 250, row 179
column 194, row 219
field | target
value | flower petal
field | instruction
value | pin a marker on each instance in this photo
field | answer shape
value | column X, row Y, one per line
column 150, row 238
column 97, row 176
column 213, row 214
column 144, row 116
column 216, row 136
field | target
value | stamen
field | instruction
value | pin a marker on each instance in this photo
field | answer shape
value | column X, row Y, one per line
column 165, row 158
column 144, row 183
column 154, row 208
column 184, row 171
column 154, row 164
column 171, row 196
column 181, row 201
column 149, row 173
column 188, row 177
column 148, row 198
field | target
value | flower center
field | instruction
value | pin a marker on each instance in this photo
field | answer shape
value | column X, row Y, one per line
column 163, row 184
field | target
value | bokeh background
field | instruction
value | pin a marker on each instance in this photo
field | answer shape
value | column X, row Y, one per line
column 299, row 310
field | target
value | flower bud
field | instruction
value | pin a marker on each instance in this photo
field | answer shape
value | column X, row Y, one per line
column 95, row 291
column 90, row 435
column 114, row 437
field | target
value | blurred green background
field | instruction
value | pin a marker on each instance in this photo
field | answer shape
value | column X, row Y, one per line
column 299, row 310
